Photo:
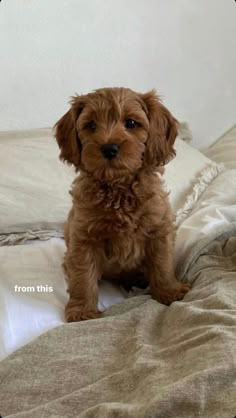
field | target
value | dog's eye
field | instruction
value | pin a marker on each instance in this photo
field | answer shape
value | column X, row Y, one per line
column 92, row 125
column 131, row 124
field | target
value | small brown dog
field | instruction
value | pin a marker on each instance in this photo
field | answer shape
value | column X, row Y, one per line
column 121, row 222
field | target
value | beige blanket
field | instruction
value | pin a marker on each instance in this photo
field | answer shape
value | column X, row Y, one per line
column 143, row 359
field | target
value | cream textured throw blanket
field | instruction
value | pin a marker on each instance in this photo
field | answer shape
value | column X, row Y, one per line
column 143, row 359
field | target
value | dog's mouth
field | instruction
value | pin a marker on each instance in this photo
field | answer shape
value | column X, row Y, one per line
column 109, row 170
column 113, row 160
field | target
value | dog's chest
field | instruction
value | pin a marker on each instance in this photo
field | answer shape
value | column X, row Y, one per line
column 117, row 221
column 122, row 236
column 124, row 251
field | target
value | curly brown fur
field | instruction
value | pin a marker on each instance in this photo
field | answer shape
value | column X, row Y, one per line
column 120, row 223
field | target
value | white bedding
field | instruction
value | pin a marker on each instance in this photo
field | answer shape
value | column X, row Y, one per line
column 33, row 292
column 25, row 315
column 224, row 149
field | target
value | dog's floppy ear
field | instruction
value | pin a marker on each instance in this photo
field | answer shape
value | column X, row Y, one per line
column 162, row 131
column 67, row 136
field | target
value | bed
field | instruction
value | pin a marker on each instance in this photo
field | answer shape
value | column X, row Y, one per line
column 142, row 359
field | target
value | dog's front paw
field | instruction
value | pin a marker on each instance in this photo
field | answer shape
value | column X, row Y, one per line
column 171, row 294
column 76, row 313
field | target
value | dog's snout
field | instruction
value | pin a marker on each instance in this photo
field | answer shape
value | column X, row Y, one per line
column 110, row 150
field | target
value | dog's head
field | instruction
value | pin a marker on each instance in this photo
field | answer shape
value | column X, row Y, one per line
column 114, row 132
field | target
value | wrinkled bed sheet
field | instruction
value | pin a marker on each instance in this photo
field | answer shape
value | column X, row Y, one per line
column 143, row 359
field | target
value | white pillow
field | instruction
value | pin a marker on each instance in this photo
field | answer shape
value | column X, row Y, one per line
column 224, row 150
column 34, row 183
column 183, row 172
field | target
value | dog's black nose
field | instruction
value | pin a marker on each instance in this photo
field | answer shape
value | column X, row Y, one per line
column 110, row 150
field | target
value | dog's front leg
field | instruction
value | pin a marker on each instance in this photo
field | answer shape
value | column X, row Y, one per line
column 82, row 268
column 165, row 288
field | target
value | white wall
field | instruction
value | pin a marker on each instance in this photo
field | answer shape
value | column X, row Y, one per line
column 51, row 49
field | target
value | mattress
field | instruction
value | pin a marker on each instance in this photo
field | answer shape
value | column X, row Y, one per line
column 34, row 203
